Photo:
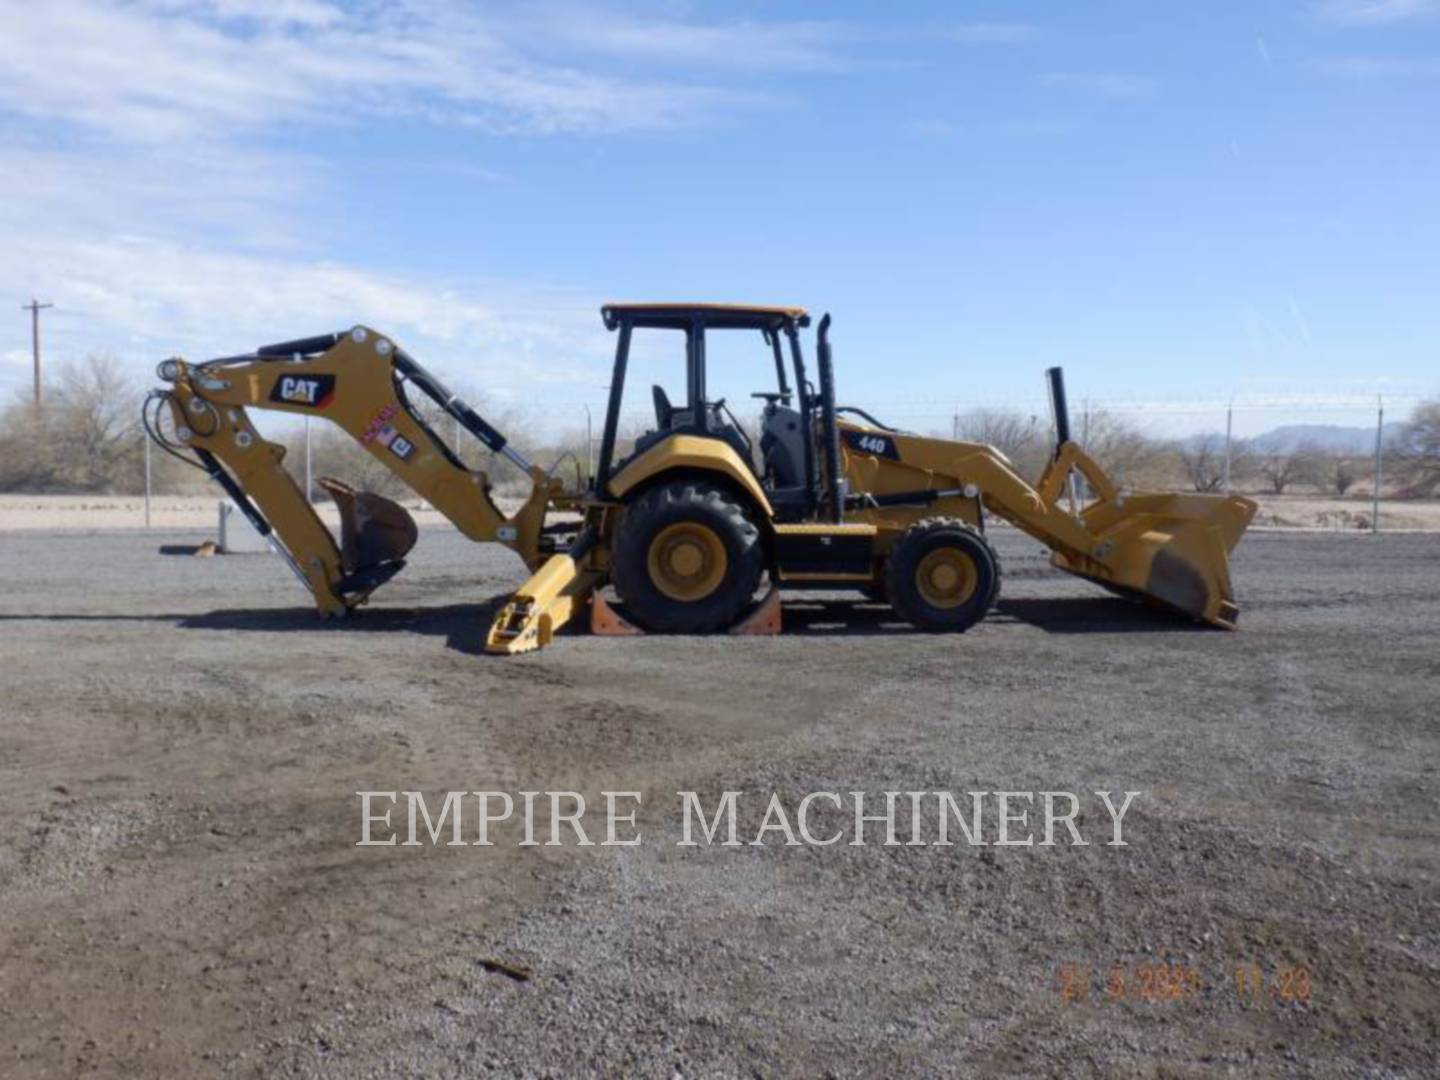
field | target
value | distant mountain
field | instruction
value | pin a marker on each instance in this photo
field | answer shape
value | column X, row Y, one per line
column 1328, row 438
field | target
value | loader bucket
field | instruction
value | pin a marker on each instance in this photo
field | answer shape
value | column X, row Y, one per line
column 1172, row 551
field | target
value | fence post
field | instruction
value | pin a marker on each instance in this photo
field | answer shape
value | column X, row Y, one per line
column 589, row 447
column 147, row 480
column 1379, row 444
column 1229, row 428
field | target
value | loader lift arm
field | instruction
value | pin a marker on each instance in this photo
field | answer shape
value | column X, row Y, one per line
column 357, row 380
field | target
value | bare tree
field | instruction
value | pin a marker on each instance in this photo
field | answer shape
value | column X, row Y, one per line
column 1119, row 446
column 1418, row 450
column 86, row 436
column 1342, row 475
column 1282, row 469
column 1022, row 439
column 1203, row 459
column 26, row 463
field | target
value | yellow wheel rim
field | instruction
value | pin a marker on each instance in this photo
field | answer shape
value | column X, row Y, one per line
column 687, row 561
column 946, row 577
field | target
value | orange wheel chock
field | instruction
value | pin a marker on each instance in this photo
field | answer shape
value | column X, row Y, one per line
column 764, row 620
column 605, row 621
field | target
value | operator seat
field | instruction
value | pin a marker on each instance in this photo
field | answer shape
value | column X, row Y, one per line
column 664, row 411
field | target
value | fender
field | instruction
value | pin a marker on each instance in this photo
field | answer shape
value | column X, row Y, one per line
column 691, row 452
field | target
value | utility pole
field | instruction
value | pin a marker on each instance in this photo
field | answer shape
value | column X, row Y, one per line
column 35, row 307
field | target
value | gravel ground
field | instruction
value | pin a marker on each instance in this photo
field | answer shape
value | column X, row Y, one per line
column 181, row 742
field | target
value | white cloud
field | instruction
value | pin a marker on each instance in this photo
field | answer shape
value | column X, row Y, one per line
column 790, row 46
column 1376, row 12
column 267, row 12
column 149, row 208
column 199, row 301
column 186, row 68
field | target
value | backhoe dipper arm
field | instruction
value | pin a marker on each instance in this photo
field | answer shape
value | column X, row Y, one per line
column 356, row 380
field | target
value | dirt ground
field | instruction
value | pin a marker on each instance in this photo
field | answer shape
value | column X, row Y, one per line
column 181, row 743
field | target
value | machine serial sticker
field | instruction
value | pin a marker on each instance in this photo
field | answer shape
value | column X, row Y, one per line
column 312, row 391
column 873, row 443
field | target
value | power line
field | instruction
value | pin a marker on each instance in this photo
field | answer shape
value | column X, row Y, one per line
column 35, row 307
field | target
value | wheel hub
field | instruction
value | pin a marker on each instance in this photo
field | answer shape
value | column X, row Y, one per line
column 687, row 561
column 946, row 578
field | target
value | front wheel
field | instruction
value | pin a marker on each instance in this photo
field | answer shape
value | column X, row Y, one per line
column 686, row 559
column 942, row 576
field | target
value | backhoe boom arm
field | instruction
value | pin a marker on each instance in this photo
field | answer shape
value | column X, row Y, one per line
column 358, row 381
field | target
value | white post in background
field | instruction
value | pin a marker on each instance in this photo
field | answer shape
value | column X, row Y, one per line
column 309, row 488
column 147, row 481
column 589, row 447
column 1229, row 429
column 1379, row 444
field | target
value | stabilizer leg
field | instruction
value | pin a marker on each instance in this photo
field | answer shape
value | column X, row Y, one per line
column 552, row 597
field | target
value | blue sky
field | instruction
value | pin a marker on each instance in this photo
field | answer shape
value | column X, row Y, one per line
column 1181, row 203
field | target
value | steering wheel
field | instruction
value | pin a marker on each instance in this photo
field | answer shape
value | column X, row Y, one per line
column 771, row 397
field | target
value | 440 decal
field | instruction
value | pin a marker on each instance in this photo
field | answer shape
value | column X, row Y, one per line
column 873, row 443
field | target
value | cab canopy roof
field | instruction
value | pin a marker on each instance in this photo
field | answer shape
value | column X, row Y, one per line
column 678, row 316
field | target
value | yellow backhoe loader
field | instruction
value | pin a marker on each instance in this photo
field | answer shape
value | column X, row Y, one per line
column 686, row 522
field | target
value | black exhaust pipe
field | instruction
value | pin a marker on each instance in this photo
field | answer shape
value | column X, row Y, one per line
column 1058, row 409
column 836, row 485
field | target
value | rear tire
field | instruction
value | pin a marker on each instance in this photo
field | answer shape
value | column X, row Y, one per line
column 686, row 559
column 942, row 576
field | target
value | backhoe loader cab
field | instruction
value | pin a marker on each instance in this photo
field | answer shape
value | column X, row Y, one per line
column 783, row 463
column 688, row 522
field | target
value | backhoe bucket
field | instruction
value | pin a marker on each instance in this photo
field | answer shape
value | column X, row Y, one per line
column 376, row 534
column 1172, row 551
